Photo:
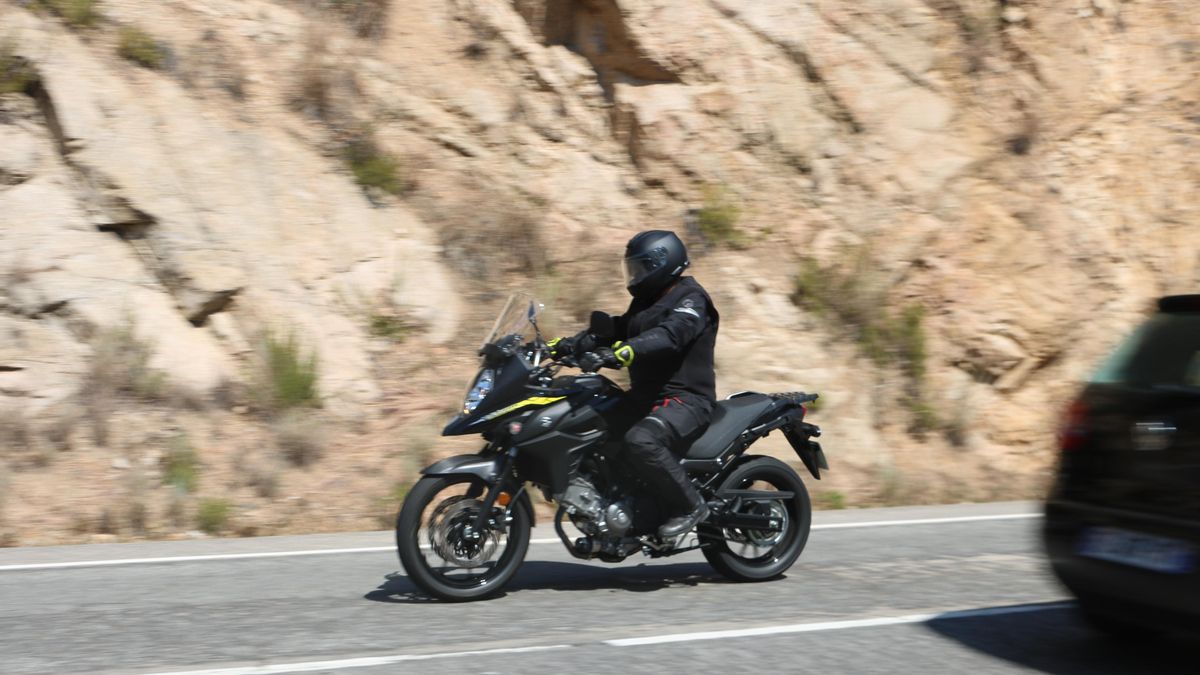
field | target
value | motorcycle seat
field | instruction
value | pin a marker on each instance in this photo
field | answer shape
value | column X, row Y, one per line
column 730, row 418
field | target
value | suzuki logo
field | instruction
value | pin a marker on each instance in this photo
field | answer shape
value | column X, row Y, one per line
column 545, row 421
column 1151, row 436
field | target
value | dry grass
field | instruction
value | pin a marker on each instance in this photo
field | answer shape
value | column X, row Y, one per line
column 487, row 230
column 718, row 218
column 5, row 486
column 300, row 436
column 23, row 443
column 367, row 18
column 325, row 88
column 259, row 471
column 119, row 369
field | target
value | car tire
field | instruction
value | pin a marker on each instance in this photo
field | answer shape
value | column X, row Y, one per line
column 1113, row 625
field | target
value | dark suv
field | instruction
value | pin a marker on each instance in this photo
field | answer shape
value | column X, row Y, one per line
column 1122, row 522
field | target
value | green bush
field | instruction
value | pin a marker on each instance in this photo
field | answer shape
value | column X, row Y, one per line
column 16, row 75
column 856, row 297
column 388, row 325
column 372, row 166
column 212, row 514
column 831, row 500
column 181, row 466
column 718, row 218
column 291, row 377
column 76, row 13
column 140, row 47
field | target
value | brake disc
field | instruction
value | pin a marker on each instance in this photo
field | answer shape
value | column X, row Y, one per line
column 448, row 525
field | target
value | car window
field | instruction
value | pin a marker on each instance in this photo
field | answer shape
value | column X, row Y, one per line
column 1164, row 350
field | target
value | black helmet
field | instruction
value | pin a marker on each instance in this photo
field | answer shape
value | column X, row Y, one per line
column 653, row 260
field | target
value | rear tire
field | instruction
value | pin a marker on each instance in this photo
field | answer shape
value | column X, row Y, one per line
column 735, row 552
column 426, row 507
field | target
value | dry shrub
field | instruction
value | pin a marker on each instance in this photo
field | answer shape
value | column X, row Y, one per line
column 119, row 369
column 5, row 486
column 487, row 230
column 259, row 471
column 368, row 18
column 718, row 218
column 21, row 442
column 211, row 62
column 300, row 436
column 15, row 433
column 325, row 86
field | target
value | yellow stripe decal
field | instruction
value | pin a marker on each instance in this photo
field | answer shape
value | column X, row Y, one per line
column 532, row 400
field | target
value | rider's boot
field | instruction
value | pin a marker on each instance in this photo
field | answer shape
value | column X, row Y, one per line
column 683, row 523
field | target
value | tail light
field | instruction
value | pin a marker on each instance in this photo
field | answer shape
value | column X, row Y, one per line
column 1073, row 433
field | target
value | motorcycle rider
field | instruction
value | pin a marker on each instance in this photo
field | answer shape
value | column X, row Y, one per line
column 666, row 339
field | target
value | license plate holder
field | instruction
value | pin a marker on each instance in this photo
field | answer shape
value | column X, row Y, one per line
column 1137, row 549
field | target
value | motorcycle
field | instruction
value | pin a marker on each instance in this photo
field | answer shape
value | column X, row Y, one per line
column 552, row 431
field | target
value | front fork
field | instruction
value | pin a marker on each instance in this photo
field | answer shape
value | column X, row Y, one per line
column 475, row 531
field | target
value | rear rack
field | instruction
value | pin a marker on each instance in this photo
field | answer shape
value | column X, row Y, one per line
column 795, row 396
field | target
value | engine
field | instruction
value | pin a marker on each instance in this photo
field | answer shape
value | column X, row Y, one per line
column 592, row 514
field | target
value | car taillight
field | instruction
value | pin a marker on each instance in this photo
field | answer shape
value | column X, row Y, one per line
column 1073, row 432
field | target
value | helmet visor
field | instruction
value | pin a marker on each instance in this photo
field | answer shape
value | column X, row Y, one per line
column 638, row 267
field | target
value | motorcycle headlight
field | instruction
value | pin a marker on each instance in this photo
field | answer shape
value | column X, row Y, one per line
column 479, row 390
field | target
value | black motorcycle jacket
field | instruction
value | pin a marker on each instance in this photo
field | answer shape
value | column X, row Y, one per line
column 670, row 344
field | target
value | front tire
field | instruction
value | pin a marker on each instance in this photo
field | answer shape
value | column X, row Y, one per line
column 741, row 554
column 456, row 568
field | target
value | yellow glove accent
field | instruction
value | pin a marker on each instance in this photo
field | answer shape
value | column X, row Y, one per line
column 623, row 352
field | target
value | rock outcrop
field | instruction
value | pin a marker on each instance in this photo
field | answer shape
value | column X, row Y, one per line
column 1020, row 177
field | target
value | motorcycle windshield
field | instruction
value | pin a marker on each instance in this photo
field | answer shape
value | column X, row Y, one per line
column 517, row 323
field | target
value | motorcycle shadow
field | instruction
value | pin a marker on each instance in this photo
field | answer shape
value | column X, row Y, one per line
column 569, row 576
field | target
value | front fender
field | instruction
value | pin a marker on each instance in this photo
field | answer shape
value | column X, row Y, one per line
column 486, row 469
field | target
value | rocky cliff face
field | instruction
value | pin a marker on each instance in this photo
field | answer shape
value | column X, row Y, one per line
column 937, row 213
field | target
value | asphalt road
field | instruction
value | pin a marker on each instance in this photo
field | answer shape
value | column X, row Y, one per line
column 909, row 590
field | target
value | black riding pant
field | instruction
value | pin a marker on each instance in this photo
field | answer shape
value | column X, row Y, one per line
column 654, row 444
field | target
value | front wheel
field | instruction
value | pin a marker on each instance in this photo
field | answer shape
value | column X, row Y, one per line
column 744, row 554
column 453, row 563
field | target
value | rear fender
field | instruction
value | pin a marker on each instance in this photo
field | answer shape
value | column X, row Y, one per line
column 486, row 469
column 808, row 450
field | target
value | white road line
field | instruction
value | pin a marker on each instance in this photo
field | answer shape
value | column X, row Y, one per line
column 830, row 625
column 927, row 521
column 375, row 661
column 378, row 549
column 362, row 662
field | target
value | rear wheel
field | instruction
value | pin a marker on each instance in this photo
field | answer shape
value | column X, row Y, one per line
column 439, row 550
column 744, row 554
